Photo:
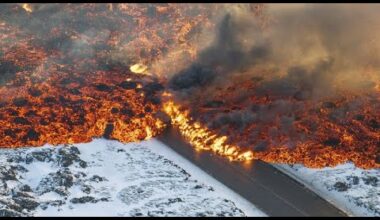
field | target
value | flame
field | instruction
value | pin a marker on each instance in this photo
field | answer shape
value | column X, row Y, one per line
column 202, row 138
column 27, row 7
column 377, row 87
column 167, row 94
column 139, row 68
column 149, row 133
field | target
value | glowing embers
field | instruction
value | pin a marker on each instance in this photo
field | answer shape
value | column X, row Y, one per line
column 76, row 107
column 284, row 129
column 67, row 82
column 27, row 7
column 202, row 138
column 329, row 144
column 139, row 68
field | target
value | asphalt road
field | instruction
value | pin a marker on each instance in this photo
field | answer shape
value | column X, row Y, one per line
column 266, row 187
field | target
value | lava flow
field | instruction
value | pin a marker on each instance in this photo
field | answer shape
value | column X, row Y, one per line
column 83, row 73
column 202, row 138
column 286, row 129
column 116, row 70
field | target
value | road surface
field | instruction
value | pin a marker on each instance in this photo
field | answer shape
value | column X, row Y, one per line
column 266, row 187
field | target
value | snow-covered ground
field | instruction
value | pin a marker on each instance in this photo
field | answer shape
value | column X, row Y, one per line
column 108, row 178
column 353, row 190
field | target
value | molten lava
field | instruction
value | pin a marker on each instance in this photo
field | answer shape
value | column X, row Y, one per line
column 27, row 7
column 70, row 108
column 101, row 73
column 201, row 137
column 138, row 68
column 280, row 129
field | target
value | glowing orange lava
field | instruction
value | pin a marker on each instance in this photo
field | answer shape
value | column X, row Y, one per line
column 101, row 73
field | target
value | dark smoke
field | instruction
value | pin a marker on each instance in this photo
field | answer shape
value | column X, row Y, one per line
column 227, row 54
column 313, row 51
column 310, row 53
column 301, row 83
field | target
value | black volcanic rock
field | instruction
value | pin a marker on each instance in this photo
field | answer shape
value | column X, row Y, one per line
column 57, row 182
column 153, row 87
column 261, row 147
column 213, row 104
column 41, row 156
column 370, row 180
column 359, row 117
column 21, row 121
column 26, row 188
column 32, row 135
column 97, row 178
column 302, row 95
column 10, row 133
column 50, row 100
column 103, row 87
column 7, row 71
column 377, row 159
column 128, row 85
column 84, row 199
column 26, row 203
column 108, row 131
column 374, row 124
column 332, row 142
column 115, row 110
column 7, row 174
column 9, row 213
column 341, row 187
column 328, row 105
column 75, row 91
column 354, row 180
column 194, row 76
column 68, row 155
column 35, row 92
column 128, row 112
column 20, row 102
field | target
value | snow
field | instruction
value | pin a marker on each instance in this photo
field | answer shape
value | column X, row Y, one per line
column 109, row 178
column 353, row 190
column 200, row 175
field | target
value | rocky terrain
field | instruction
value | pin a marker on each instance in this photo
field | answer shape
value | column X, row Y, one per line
column 354, row 190
column 106, row 178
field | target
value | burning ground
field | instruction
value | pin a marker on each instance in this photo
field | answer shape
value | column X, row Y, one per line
column 245, row 81
column 313, row 102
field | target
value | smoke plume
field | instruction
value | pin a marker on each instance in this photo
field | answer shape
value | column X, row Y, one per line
column 317, row 50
